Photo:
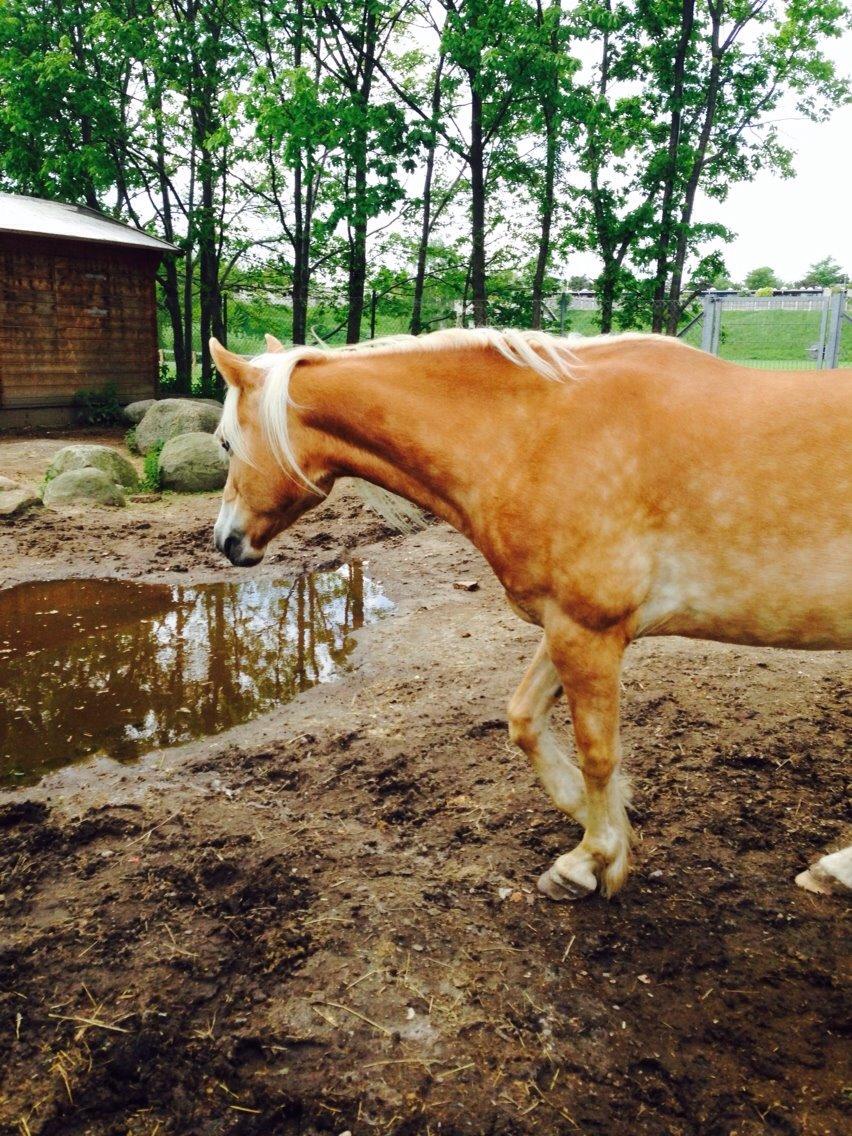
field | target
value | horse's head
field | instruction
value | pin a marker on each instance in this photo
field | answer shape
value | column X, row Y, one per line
column 268, row 486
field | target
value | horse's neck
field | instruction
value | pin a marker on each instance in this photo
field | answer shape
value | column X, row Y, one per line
column 425, row 425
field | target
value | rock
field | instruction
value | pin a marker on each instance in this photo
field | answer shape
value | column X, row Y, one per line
column 8, row 483
column 171, row 417
column 117, row 468
column 13, row 502
column 83, row 486
column 467, row 585
column 193, row 462
column 134, row 412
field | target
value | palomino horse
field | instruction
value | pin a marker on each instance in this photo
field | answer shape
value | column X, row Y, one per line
column 619, row 487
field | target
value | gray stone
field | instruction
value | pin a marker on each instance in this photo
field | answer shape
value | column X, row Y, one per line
column 83, row 486
column 193, row 462
column 113, row 464
column 134, row 412
column 7, row 483
column 13, row 502
column 171, row 417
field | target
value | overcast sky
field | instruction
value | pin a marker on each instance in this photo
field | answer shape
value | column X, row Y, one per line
column 789, row 224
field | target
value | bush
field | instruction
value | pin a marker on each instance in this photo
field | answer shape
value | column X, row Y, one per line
column 97, row 407
column 130, row 441
column 151, row 469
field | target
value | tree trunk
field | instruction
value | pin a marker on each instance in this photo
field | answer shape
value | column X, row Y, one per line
column 545, row 220
column 426, row 220
column 606, row 291
column 359, row 153
column 208, row 274
column 550, row 100
column 299, row 291
column 476, row 160
column 671, row 176
column 679, row 262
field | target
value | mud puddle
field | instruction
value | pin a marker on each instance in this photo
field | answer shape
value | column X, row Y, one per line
column 118, row 668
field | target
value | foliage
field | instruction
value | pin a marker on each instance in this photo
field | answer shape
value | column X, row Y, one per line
column 468, row 146
column 763, row 277
column 130, row 441
column 824, row 273
column 150, row 482
column 98, row 407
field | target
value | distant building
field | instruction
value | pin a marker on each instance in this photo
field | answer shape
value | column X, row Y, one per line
column 77, row 308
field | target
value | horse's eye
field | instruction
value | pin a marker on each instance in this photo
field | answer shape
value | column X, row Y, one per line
column 226, row 446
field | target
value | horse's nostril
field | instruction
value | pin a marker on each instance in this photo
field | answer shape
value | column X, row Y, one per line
column 231, row 544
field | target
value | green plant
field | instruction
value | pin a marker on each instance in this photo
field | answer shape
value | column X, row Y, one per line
column 98, row 407
column 130, row 440
column 151, row 469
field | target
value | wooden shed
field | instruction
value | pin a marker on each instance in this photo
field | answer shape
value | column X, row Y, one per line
column 77, row 309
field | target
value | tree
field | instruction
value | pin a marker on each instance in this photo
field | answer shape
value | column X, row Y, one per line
column 763, row 277
column 679, row 103
column 824, row 273
column 376, row 146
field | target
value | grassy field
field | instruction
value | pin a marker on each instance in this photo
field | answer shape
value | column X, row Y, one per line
column 772, row 340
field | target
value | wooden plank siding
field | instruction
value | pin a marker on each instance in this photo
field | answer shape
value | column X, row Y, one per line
column 75, row 316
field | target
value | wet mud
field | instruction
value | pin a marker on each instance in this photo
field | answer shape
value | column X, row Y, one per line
column 121, row 668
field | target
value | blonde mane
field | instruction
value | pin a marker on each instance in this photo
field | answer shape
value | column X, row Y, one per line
column 552, row 358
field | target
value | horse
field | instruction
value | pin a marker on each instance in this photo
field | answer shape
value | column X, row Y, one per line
column 618, row 486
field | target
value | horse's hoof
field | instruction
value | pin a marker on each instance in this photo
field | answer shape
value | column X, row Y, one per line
column 821, row 883
column 809, row 882
column 556, row 886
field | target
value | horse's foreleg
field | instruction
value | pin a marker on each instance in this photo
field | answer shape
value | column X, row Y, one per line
column 529, row 728
column 589, row 665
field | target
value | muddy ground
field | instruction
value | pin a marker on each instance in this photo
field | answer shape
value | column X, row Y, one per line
column 326, row 920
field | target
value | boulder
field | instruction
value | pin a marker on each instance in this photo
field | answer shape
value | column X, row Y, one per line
column 8, row 483
column 171, row 417
column 15, row 501
column 83, row 486
column 134, row 412
column 116, row 467
column 193, row 462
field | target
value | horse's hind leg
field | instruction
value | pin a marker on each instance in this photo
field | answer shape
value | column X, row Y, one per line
column 589, row 665
column 529, row 728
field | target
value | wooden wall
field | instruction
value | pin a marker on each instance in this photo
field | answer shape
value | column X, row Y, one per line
column 75, row 316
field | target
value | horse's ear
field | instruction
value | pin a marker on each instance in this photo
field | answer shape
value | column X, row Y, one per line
column 236, row 371
column 273, row 345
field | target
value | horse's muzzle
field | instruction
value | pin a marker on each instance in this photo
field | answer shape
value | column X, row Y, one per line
column 238, row 550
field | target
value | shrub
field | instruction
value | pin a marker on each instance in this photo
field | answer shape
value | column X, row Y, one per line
column 151, row 469
column 97, row 407
column 130, row 441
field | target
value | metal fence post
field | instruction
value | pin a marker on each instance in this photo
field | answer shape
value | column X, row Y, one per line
column 711, row 325
column 563, row 311
column 373, row 301
column 836, row 310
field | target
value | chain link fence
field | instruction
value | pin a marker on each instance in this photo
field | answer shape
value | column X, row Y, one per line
column 803, row 331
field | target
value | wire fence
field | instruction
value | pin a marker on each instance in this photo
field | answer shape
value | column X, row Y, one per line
column 802, row 331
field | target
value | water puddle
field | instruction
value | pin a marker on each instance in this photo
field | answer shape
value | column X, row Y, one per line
column 117, row 668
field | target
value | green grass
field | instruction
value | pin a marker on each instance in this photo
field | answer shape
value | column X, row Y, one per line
column 769, row 339
column 150, row 482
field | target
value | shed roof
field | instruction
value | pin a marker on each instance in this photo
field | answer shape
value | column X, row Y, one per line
column 36, row 217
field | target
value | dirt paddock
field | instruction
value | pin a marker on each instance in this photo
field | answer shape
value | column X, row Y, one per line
column 325, row 920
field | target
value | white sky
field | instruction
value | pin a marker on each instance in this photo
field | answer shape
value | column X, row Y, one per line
column 788, row 224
